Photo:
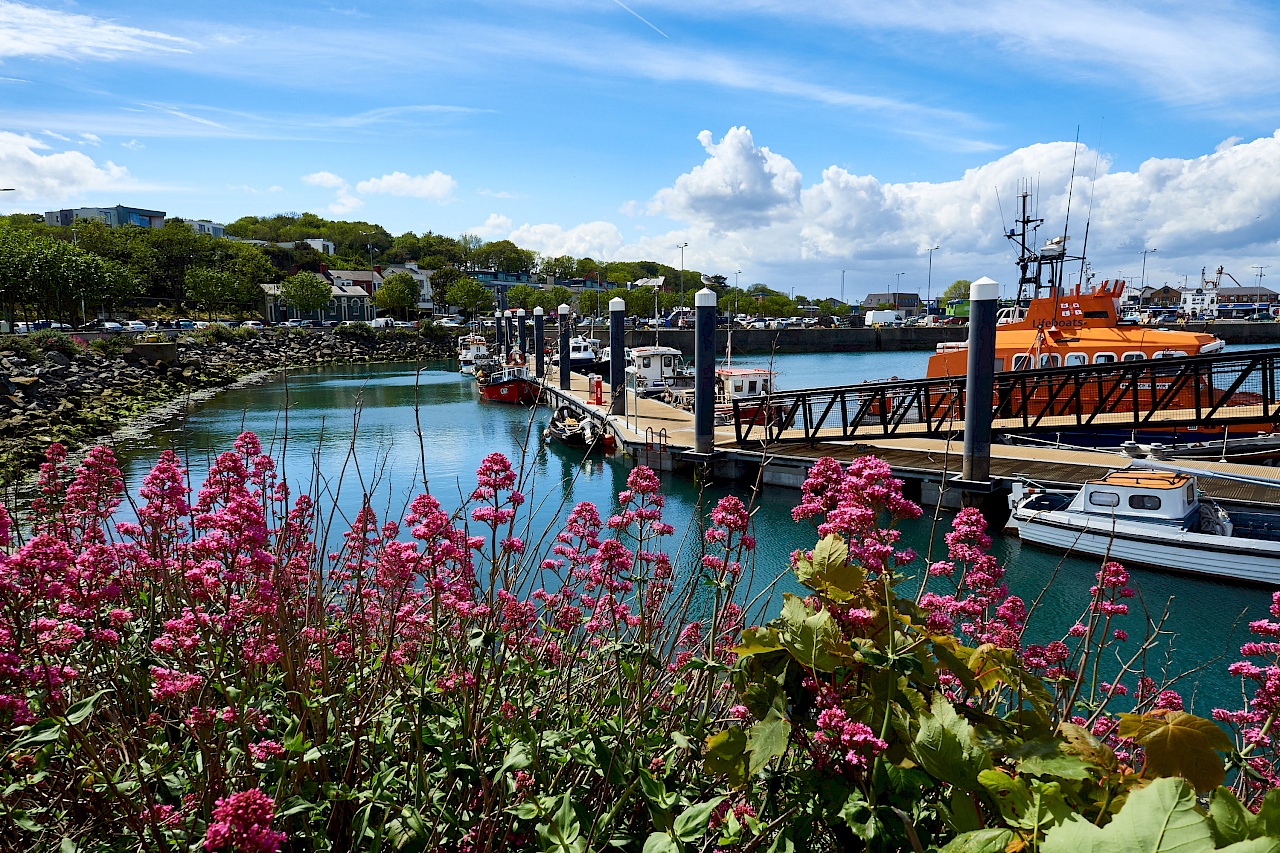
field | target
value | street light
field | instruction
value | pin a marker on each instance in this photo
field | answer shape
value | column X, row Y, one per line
column 1145, row 252
column 369, row 234
column 681, row 247
column 897, row 287
column 929, row 293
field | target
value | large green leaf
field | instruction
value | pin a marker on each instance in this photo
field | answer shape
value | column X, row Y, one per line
column 1268, row 821
column 757, row 641
column 1179, row 744
column 829, row 571
column 768, row 738
column 661, row 842
column 691, row 824
column 80, row 711
column 980, row 841
column 726, row 755
column 1270, row 844
column 45, row 731
column 813, row 639
column 1160, row 818
column 1229, row 821
column 1034, row 806
column 946, row 749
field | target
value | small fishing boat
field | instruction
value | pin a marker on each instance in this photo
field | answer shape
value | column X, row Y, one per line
column 1153, row 518
column 750, row 387
column 511, row 384
column 472, row 349
column 569, row 429
column 657, row 371
column 584, row 354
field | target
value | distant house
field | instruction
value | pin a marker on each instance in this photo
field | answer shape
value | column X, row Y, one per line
column 1166, row 296
column 422, row 277
column 906, row 302
column 367, row 280
column 115, row 217
column 324, row 247
column 1245, row 295
column 655, row 283
column 346, row 302
column 203, row 226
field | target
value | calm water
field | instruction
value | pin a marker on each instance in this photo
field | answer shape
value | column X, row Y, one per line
column 351, row 426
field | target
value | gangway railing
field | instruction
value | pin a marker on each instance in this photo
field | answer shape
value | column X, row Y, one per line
column 1197, row 391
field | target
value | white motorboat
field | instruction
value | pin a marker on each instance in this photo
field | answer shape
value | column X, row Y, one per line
column 471, row 349
column 656, row 370
column 1152, row 518
column 583, row 354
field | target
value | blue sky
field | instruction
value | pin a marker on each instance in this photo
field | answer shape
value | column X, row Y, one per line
column 789, row 140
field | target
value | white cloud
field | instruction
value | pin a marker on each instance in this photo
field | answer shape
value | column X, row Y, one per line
column 33, row 31
column 738, row 185
column 54, row 176
column 436, row 185
column 58, row 136
column 345, row 202
column 498, row 194
column 324, row 179
column 590, row 239
column 495, row 226
column 90, row 139
column 133, row 145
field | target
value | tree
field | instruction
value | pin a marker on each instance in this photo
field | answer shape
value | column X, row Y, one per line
column 398, row 292
column 560, row 268
column 469, row 295
column 523, row 296
column 958, row 289
column 209, row 287
column 305, row 292
column 555, row 297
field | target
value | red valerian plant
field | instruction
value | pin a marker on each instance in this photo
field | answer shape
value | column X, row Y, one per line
column 206, row 677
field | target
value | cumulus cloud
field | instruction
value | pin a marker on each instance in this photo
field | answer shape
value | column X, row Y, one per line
column 133, row 145
column 57, row 175
column 495, row 226
column 590, row 239
column 33, row 31
column 739, row 185
column 1222, row 207
column 436, row 185
column 324, row 179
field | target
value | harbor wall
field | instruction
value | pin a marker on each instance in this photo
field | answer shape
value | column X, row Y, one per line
column 886, row 339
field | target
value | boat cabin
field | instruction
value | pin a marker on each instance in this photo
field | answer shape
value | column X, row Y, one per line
column 733, row 383
column 581, row 351
column 1136, row 494
column 657, row 369
column 472, row 348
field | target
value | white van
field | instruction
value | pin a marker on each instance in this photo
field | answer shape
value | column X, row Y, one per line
column 883, row 318
column 382, row 323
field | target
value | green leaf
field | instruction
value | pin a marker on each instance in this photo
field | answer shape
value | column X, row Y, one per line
column 661, row 842
column 1229, row 821
column 692, row 822
column 945, row 747
column 757, row 640
column 1058, row 766
column 1160, row 818
column 68, row 845
column 814, row 639
column 768, row 738
column 1179, row 744
column 726, row 755
column 45, row 731
column 830, row 571
column 294, row 805
column 519, row 756
column 566, row 820
column 1268, row 820
column 980, row 841
column 80, row 711
column 1269, row 844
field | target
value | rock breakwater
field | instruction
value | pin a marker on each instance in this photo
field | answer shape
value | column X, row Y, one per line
column 74, row 394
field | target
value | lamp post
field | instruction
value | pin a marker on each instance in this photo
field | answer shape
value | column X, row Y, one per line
column 929, row 293
column 681, row 247
column 1145, row 252
column 897, row 287
column 369, row 235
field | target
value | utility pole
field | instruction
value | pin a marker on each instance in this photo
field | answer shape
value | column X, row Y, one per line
column 842, row 286
column 681, row 247
column 1145, row 252
column 929, row 297
column 897, row 288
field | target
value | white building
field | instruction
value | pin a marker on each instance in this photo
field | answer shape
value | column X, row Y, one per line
column 1199, row 302
column 421, row 276
column 204, row 226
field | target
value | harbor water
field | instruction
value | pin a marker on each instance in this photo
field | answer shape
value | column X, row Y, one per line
column 338, row 432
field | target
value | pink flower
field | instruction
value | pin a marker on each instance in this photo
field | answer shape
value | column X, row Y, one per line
column 242, row 823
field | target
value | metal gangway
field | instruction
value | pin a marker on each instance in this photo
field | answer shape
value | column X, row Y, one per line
column 1220, row 390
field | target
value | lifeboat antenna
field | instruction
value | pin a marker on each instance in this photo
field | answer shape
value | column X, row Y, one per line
column 1057, row 280
column 1093, row 190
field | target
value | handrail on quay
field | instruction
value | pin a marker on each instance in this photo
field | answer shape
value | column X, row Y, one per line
column 1204, row 390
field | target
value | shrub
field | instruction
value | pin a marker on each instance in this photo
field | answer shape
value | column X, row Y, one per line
column 55, row 340
column 217, row 333
column 205, row 675
column 357, row 332
column 111, row 346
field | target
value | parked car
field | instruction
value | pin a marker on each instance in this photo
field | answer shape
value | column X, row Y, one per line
column 1260, row 317
column 406, row 324
column 251, row 324
column 102, row 326
column 134, row 326
column 449, row 323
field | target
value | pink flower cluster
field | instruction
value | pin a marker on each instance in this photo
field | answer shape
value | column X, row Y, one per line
column 846, row 744
column 981, row 606
column 1256, row 723
column 242, row 824
column 861, row 504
